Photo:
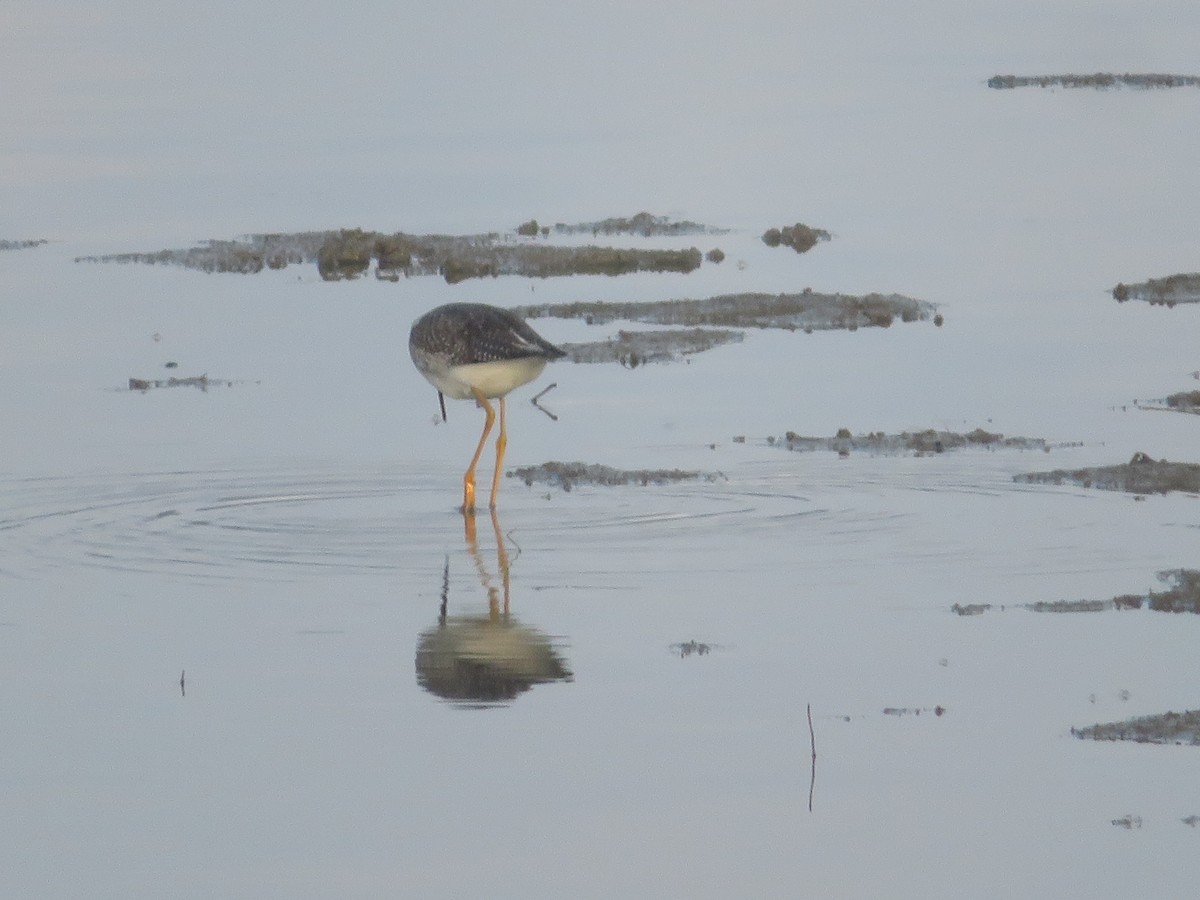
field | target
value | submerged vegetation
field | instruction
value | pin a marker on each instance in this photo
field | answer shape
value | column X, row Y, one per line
column 1181, row 288
column 21, row 245
column 1096, row 80
column 1141, row 475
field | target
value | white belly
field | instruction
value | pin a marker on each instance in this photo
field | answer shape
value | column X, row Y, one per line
column 492, row 379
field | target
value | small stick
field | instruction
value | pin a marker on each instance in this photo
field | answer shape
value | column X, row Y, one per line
column 812, row 737
column 542, row 394
column 182, row 688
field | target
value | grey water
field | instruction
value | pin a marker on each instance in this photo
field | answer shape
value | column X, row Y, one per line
column 226, row 615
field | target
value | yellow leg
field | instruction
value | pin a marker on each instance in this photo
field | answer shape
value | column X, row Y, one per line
column 469, row 477
column 501, row 444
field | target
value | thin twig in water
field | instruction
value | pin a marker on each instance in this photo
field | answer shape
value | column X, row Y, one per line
column 812, row 737
column 182, row 689
column 540, row 395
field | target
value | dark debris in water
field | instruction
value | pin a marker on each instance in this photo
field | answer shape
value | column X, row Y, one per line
column 203, row 382
column 807, row 311
column 1181, row 595
column 692, row 648
column 921, row 443
column 21, row 245
column 348, row 253
column 1181, row 288
column 569, row 475
column 1164, row 728
column 899, row 711
column 1096, row 80
column 1141, row 475
column 635, row 348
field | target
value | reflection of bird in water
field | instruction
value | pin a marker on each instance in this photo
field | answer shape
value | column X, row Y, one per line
column 471, row 350
column 485, row 660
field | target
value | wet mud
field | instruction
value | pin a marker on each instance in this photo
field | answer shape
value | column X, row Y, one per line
column 1163, row 728
column 1182, row 595
column 1168, row 291
column 569, row 475
column 349, row 253
column 807, row 311
column 920, row 443
column 799, row 237
column 1096, row 80
column 1141, row 475
column 636, row 348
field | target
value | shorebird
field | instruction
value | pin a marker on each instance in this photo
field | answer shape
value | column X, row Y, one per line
column 475, row 351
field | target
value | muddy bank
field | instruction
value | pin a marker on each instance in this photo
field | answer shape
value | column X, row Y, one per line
column 568, row 475
column 349, row 253
column 1097, row 80
column 1181, row 288
column 807, row 311
column 20, row 245
column 799, row 237
column 1164, row 728
column 918, row 442
column 1182, row 595
column 644, row 224
column 1141, row 475
column 636, row 348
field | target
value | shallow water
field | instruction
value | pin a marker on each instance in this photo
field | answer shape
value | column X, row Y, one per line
column 212, row 602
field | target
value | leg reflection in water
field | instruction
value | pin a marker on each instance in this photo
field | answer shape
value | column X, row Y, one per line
column 490, row 659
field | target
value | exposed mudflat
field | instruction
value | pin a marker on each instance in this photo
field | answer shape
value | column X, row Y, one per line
column 1141, row 475
column 1164, row 728
column 807, row 311
column 1097, row 80
column 568, row 475
column 348, row 253
column 635, row 348
column 799, row 237
column 1182, row 595
column 1168, row 291
column 919, row 442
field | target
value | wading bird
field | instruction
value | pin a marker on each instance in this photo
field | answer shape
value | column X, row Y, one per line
column 471, row 350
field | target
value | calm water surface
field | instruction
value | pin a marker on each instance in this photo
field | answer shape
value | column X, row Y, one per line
column 226, row 617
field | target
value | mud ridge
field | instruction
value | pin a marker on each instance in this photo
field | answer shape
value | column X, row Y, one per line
column 636, row 348
column 348, row 254
column 1168, row 291
column 1182, row 595
column 925, row 442
column 1141, row 475
column 1097, row 80
column 807, row 311
column 569, row 475
column 1163, row 728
